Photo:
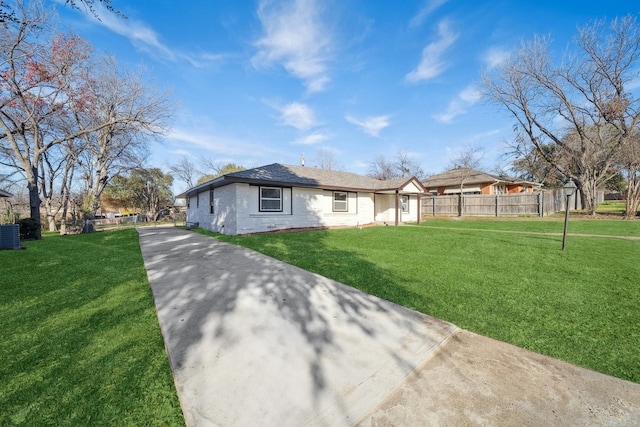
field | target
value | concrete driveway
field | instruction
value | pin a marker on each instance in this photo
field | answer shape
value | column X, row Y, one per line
column 255, row 341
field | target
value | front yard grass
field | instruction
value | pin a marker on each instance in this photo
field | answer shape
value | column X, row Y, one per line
column 580, row 305
column 81, row 344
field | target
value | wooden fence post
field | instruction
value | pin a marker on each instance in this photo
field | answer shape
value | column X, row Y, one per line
column 540, row 205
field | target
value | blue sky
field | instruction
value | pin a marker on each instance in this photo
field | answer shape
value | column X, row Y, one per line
column 258, row 82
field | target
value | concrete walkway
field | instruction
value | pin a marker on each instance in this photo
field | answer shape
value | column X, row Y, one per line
column 254, row 341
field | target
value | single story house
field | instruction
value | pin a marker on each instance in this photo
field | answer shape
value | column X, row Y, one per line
column 280, row 197
column 471, row 181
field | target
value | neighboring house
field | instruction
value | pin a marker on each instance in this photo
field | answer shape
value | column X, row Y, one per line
column 4, row 193
column 280, row 197
column 471, row 181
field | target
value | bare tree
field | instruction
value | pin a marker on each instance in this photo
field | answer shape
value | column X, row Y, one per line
column 467, row 160
column 127, row 113
column 185, row 171
column 407, row 166
column 629, row 163
column 8, row 14
column 403, row 165
column 527, row 162
column 381, row 168
column 213, row 169
column 51, row 93
column 326, row 159
column 469, row 157
column 38, row 72
column 585, row 92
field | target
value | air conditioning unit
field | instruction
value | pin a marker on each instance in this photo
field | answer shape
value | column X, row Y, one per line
column 10, row 236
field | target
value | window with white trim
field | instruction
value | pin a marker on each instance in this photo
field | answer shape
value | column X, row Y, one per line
column 270, row 199
column 211, row 210
column 404, row 201
column 340, row 201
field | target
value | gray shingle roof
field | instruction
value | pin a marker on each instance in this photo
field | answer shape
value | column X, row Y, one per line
column 279, row 174
column 4, row 193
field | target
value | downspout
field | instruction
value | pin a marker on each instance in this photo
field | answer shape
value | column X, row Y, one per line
column 418, row 208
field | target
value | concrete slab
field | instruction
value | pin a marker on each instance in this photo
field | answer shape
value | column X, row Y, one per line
column 254, row 341
column 477, row 381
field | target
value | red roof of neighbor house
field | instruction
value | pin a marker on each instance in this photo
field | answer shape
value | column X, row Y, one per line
column 467, row 176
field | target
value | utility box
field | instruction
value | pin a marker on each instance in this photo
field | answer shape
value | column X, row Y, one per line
column 10, row 236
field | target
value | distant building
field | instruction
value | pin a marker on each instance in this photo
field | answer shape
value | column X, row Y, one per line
column 471, row 181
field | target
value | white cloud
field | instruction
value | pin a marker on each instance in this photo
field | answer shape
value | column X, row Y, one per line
column 296, row 38
column 298, row 115
column 311, row 139
column 460, row 104
column 428, row 7
column 371, row 125
column 454, row 109
column 495, row 57
column 470, row 95
column 146, row 39
column 208, row 141
column 432, row 63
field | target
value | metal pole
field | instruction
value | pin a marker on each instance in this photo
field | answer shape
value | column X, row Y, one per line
column 566, row 221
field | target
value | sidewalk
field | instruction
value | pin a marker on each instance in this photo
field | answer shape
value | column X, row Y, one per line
column 254, row 341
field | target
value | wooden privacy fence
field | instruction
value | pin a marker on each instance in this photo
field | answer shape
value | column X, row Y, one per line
column 522, row 204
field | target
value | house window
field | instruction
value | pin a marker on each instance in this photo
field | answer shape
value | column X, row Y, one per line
column 211, row 201
column 405, row 204
column 270, row 199
column 340, row 203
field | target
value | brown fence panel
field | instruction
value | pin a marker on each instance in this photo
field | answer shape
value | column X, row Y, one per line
column 440, row 205
column 500, row 205
column 478, row 204
column 518, row 204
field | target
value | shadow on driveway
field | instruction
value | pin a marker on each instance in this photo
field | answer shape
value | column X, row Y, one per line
column 253, row 340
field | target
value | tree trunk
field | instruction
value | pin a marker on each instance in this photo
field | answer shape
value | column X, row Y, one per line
column 588, row 194
column 51, row 215
column 34, row 205
column 632, row 195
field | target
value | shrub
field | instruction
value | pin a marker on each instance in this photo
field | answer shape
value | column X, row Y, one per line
column 29, row 228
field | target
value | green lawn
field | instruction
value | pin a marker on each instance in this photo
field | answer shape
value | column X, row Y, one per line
column 611, row 207
column 81, row 344
column 580, row 305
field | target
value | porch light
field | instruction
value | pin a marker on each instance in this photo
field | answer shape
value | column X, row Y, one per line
column 569, row 188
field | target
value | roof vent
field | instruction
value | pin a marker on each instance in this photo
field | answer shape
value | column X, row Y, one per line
column 302, row 159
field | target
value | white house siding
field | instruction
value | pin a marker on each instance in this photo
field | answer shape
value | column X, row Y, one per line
column 301, row 208
column 236, row 209
column 412, row 215
column 385, row 208
column 223, row 218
